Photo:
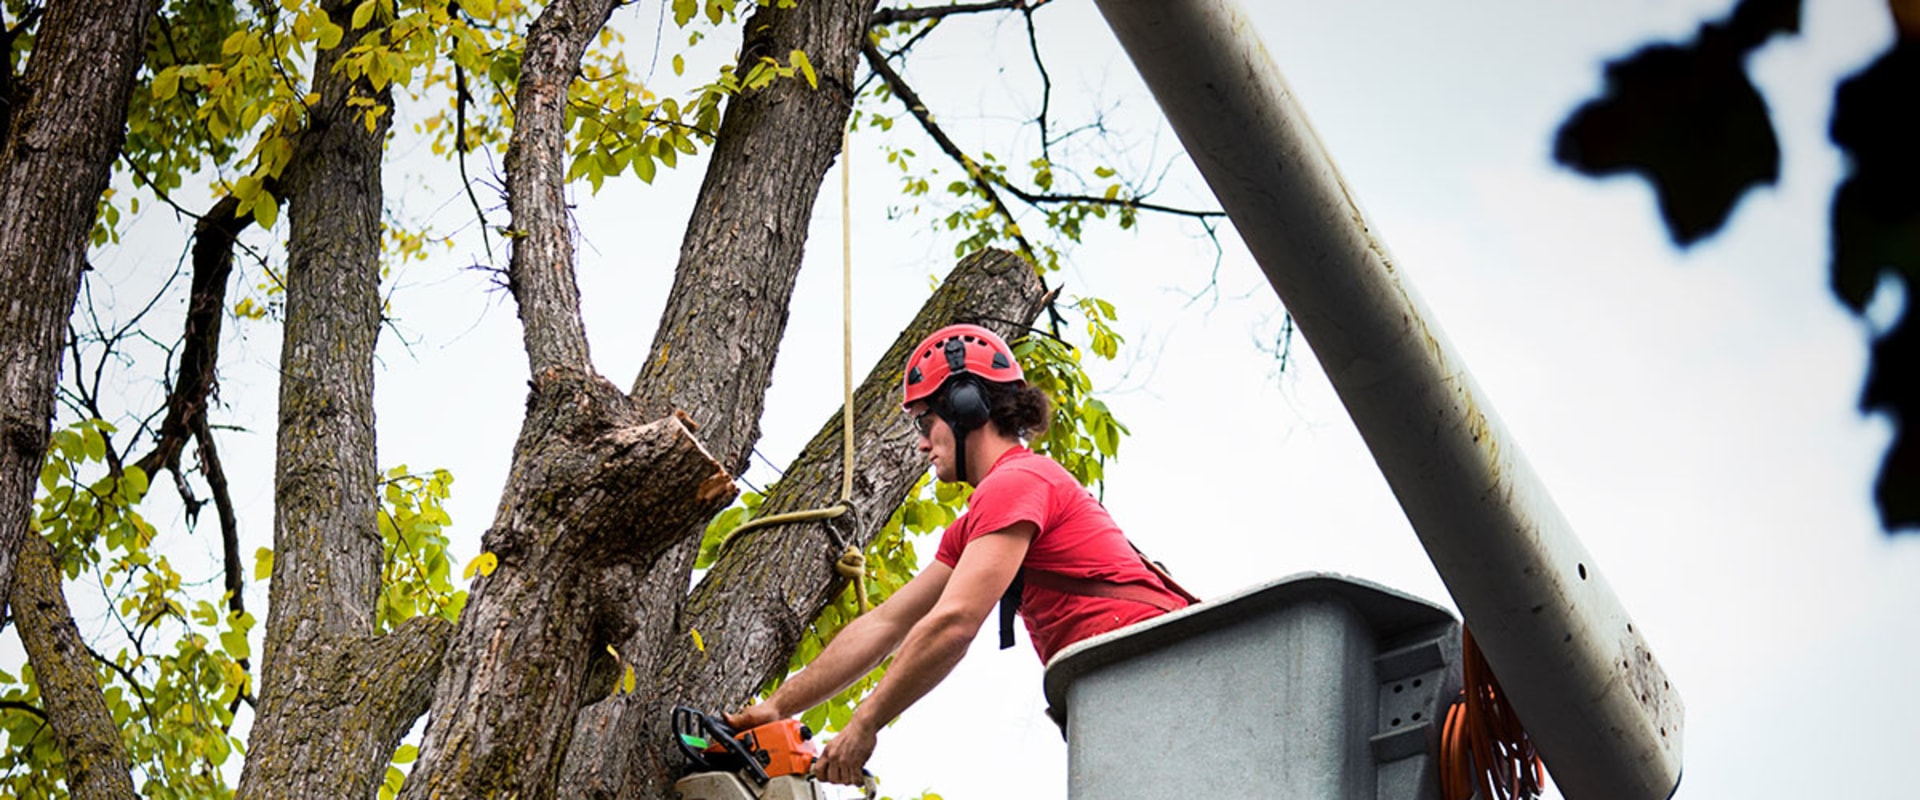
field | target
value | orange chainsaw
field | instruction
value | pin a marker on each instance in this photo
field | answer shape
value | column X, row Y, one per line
column 769, row 762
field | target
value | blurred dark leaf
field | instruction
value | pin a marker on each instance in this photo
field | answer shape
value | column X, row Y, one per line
column 1688, row 119
column 1876, row 236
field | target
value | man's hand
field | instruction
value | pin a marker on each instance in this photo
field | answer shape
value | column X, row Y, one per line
column 844, row 758
column 753, row 716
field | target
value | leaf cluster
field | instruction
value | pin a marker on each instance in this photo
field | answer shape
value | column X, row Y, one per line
column 415, row 568
column 174, row 685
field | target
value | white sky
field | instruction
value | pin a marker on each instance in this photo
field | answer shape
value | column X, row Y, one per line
column 1694, row 414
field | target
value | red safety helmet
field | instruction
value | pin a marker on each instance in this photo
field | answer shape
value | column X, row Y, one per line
column 953, row 350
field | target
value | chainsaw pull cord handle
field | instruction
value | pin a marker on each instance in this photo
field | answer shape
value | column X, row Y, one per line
column 851, row 563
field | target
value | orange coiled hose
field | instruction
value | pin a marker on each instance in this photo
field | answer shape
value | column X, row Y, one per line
column 1482, row 745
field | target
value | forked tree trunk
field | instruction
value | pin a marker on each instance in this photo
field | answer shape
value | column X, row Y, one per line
column 713, row 354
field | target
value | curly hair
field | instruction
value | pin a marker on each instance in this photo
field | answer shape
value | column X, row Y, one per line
column 1019, row 409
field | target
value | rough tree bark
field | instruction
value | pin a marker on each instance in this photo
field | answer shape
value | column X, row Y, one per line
column 62, row 136
column 713, row 354
column 591, row 491
column 335, row 698
column 96, row 764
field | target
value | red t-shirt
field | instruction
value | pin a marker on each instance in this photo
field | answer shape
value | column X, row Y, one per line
column 1076, row 538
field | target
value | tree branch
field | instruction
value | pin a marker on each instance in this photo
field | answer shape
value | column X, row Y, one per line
column 911, row 100
column 540, row 271
column 590, row 489
column 29, row 708
column 213, row 240
column 987, row 182
column 233, row 566
column 889, row 16
column 95, row 759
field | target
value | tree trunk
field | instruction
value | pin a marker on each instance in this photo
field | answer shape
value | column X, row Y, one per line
column 713, row 354
column 591, row 492
column 335, row 699
column 54, row 163
column 96, row 762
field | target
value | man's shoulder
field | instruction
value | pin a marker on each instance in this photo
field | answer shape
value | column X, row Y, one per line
column 1027, row 463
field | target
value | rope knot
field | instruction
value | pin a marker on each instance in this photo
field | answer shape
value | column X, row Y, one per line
column 852, row 565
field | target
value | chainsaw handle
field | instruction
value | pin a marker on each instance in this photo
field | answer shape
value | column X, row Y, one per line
column 696, row 724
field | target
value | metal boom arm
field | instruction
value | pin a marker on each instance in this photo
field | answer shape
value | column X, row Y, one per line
column 1601, row 711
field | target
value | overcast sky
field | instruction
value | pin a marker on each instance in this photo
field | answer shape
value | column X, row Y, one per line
column 1693, row 413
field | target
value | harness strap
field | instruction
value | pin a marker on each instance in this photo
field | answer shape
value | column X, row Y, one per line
column 1087, row 587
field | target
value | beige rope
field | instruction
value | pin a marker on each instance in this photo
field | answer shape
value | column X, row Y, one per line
column 851, row 564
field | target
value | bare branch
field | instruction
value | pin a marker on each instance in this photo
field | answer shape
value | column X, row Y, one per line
column 1046, row 83
column 889, row 16
column 460, row 99
column 15, row 705
column 214, row 235
column 980, row 179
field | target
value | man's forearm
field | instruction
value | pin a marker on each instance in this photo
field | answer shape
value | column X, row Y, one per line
column 855, row 652
column 929, row 653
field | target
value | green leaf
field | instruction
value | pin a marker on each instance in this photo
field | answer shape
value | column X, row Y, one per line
column 263, row 563
column 135, row 480
column 683, row 11
column 235, row 643
column 166, row 84
column 363, row 14
column 329, row 38
column 266, row 210
column 406, row 754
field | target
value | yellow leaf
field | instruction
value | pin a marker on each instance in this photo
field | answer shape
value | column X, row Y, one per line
column 799, row 59
column 627, row 681
column 363, row 14
column 698, row 644
column 483, row 564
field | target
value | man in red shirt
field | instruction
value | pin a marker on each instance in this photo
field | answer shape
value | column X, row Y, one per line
column 1028, row 519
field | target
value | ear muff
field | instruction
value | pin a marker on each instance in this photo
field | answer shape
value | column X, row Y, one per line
column 966, row 402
